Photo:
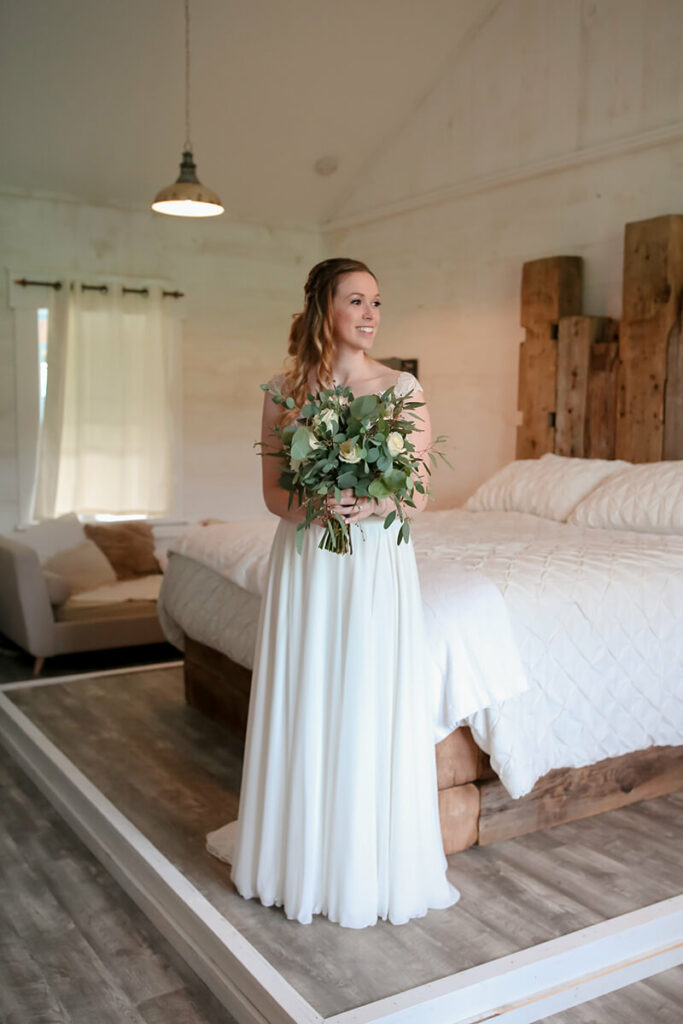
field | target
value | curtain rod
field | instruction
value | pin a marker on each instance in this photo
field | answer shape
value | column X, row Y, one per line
column 104, row 288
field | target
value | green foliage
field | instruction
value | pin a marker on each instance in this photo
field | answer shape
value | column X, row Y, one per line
column 312, row 468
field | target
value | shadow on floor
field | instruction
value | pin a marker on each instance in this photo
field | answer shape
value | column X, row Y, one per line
column 16, row 665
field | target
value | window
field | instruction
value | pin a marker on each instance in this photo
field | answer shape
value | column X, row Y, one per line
column 98, row 400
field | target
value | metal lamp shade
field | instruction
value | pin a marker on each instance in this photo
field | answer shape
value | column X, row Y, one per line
column 187, row 197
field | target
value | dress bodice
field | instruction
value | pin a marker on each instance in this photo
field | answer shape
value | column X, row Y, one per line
column 405, row 382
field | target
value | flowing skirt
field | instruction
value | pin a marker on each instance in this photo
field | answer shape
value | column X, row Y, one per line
column 338, row 811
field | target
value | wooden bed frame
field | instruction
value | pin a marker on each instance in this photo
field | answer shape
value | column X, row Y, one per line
column 588, row 387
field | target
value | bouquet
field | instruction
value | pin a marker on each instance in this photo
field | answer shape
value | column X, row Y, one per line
column 340, row 442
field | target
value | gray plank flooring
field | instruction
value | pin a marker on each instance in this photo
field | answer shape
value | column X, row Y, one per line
column 73, row 946
column 176, row 776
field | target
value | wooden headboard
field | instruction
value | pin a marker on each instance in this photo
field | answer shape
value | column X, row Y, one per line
column 594, row 387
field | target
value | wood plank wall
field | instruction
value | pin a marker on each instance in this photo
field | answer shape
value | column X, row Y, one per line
column 593, row 388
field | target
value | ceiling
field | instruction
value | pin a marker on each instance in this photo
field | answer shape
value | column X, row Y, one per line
column 94, row 95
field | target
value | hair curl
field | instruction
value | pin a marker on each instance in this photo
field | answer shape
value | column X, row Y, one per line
column 311, row 340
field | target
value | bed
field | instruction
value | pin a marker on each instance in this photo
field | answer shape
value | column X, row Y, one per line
column 577, row 709
column 555, row 594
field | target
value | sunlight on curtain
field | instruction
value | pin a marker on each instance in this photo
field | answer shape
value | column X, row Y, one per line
column 110, row 433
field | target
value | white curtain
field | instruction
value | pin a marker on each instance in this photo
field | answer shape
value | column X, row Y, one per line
column 105, row 442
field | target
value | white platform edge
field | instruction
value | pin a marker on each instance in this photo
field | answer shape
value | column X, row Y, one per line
column 238, row 975
column 522, row 987
column 27, row 684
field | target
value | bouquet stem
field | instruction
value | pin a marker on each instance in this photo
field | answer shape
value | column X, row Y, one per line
column 336, row 538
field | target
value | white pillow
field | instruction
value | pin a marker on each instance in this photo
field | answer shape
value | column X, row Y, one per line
column 549, row 487
column 58, row 589
column 647, row 498
column 84, row 567
column 53, row 535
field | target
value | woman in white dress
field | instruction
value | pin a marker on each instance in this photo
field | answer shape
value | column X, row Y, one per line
column 338, row 811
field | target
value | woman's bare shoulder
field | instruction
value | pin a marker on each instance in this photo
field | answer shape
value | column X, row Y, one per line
column 276, row 382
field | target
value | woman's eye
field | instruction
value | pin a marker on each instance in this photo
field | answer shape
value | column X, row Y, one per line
column 377, row 303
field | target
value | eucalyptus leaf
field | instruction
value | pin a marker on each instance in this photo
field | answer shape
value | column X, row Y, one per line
column 300, row 445
column 364, row 406
column 394, row 480
column 347, row 479
column 377, row 489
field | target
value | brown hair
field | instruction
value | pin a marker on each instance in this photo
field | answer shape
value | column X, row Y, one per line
column 311, row 343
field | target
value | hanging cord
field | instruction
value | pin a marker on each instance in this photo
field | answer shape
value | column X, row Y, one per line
column 188, row 144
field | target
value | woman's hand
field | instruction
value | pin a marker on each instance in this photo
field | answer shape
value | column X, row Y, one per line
column 351, row 508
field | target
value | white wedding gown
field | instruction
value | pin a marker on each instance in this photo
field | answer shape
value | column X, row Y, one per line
column 338, row 811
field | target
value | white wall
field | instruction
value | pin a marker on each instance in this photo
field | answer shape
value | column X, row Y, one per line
column 242, row 283
column 560, row 122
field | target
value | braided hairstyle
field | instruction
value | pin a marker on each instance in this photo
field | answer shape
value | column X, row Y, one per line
column 311, row 341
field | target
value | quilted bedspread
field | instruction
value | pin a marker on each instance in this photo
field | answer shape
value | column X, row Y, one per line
column 558, row 645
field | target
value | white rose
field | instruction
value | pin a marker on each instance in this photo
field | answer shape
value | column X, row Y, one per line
column 328, row 418
column 349, row 452
column 395, row 443
column 389, row 410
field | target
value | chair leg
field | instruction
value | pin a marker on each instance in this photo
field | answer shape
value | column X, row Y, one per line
column 38, row 666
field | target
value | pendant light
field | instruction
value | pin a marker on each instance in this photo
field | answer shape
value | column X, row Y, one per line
column 187, row 197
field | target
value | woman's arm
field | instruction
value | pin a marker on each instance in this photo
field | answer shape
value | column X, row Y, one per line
column 275, row 497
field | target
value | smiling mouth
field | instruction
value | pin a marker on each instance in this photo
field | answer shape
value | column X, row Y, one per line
column 366, row 330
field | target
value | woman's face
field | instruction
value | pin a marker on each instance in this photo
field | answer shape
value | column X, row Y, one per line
column 355, row 310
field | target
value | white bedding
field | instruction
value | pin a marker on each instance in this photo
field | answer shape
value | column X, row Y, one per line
column 597, row 616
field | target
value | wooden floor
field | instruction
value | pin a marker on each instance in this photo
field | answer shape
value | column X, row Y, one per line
column 176, row 776
column 73, row 947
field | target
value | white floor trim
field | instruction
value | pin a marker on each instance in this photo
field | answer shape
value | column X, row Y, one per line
column 523, row 987
column 24, row 684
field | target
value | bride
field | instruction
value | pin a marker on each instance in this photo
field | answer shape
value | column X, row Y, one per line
column 338, row 811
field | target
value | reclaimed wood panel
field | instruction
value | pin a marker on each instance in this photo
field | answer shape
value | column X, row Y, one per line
column 652, row 296
column 567, row 794
column 537, row 394
column 460, row 760
column 459, row 814
column 551, row 289
column 587, row 355
column 217, row 686
column 672, row 444
column 601, row 402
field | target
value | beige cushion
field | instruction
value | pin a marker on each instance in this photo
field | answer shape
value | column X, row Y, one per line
column 84, row 567
column 59, row 590
column 73, row 612
column 129, row 546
